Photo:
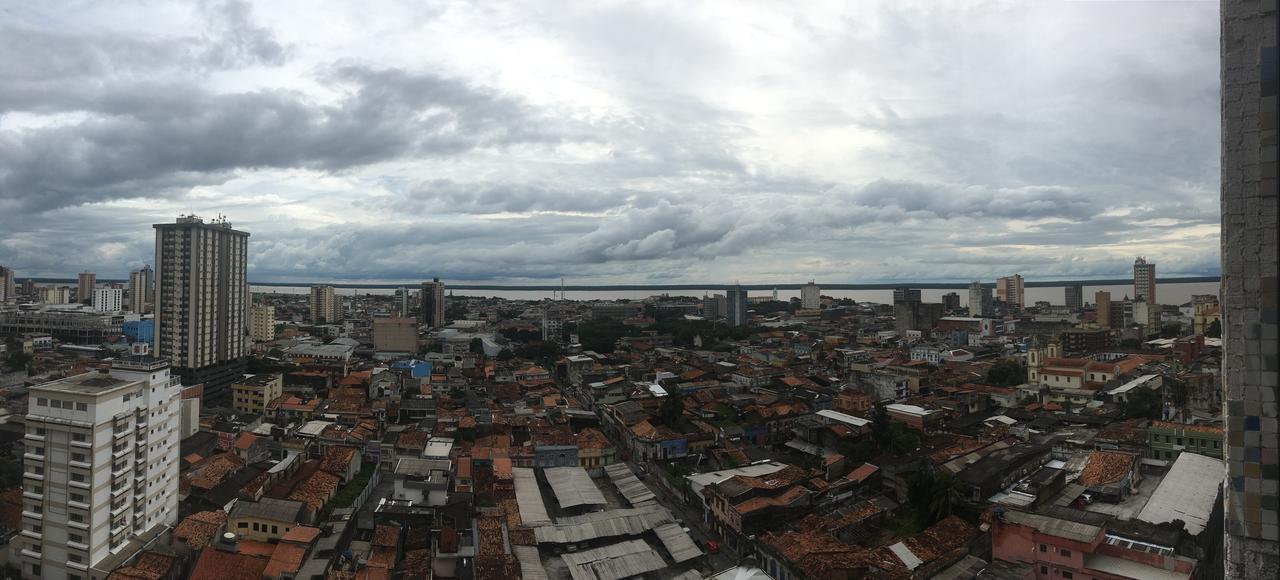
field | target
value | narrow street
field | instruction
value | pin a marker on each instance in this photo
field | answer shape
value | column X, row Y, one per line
column 691, row 516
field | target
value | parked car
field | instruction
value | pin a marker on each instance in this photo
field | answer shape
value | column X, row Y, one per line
column 713, row 547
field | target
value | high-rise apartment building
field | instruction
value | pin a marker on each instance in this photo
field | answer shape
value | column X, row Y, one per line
column 101, row 467
column 1010, row 290
column 8, row 286
column 54, row 294
column 108, row 300
column 202, row 302
column 904, row 294
column 979, row 299
column 715, row 306
column 1144, row 280
column 736, row 307
column 1102, row 308
column 1074, row 296
column 951, row 301
column 1250, row 309
column 432, row 302
column 148, row 283
column 325, row 305
column 138, row 291
column 84, row 291
column 810, row 296
column 262, row 325
column 402, row 302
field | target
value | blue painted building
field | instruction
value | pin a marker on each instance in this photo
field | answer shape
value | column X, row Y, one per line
column 139, row 330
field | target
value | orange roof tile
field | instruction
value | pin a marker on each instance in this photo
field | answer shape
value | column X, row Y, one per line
column 287, row 558
column 198, row 529
column 223, row 565
column 301, row 535
column 1105, row 467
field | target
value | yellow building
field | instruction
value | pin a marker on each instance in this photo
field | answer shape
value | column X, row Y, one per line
column 262, row 323
column 252, row 393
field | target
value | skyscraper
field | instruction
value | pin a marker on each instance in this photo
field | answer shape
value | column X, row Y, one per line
column 202, row 302
column 951, row 301
column 138, row 290
column 1010, row 290
column 84, row 292
column 8, row 286
column 402, row 302
column 904, row 294
column 325, row 305
column 101, row 466
column 1102, row 308
column 1144, row 281
column 148, row 283
column 1250, row 68
column 1075, row 296
column 736, row 300
column 979, row 299
column 810, row 296
column 433, row 303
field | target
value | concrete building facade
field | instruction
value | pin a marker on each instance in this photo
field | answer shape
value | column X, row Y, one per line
column 108, row 300
column 325, row 305
column 979, row 299
column 262, row 325
column 736, row 307
column 1011, row 290
column 253, row 393
column 1074, row 296
column 395, row 334
column 1144, row 280
column 1102, row 306
column 810, row 296
column 202, row 302
column 432, row 302
column 138, row 295
column 1250, row 285
column 88, row 281
column 101, row 468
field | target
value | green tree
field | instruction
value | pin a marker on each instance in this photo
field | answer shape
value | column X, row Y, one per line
column 1214, row 330
column 1007, row 373
column 932, row 495
column 542, row 351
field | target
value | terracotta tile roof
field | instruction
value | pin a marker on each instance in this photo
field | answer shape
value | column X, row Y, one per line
column 200, row 528
column 256, row 548
column 591, row 438
column 863, row 471
column 337, row 460
column 11, row 509
column 287, row 558
column 1207, row 429
column 222, row 565
column 210, row 471
column 316, row 490
column 386, row 535
column 301, row 535
column 149, row 566
column 1105, row 467
column 245, row 440
column 817, row 554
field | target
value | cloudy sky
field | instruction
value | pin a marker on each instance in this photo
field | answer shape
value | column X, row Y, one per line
column 616, row 142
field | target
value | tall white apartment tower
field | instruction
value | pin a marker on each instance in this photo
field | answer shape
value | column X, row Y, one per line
column 100, row 469
column 810, row 296
column 1144, row 281
column 326, row 308
column 108, row 299
column 202, row 302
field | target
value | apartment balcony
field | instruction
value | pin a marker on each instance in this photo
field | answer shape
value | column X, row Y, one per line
column 82, row 444
column 33, row 456
column 121, row 452
column 80, row 464
column 81, row 566
column 33, row 534
column 34, row 476
column 33, row 495
column 77, row 546
column 119, row 509
column 119, row 491
column 78, row 526
column 30, row 554
column 33, row 437
column 78, row 504
column 79, row 484
column 118, row 435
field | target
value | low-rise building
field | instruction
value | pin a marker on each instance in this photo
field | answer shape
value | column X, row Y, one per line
column 253, row 393
column 1166, row 440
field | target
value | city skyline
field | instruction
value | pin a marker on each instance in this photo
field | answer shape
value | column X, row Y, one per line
column 519, row 144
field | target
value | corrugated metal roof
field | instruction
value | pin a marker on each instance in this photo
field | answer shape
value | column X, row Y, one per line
column 614, row 562
column 1054, row 526
column 677, row 542
column 532, row 511
column 530, row 565
column 573, row 487
column 605, row 524
column 635, row 491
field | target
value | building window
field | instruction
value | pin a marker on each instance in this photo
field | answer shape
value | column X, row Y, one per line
column 274, row 530
column 77, row 518
column 242, row 525
column 77, row 457
column 77, row 437
column 43, row 402
column 35, row 570
column 1066, row 574
column 1065, row 553
column 1044, row 548
column 82, row 406
column 77, row 538
column 1179, row 441
column 79, row 498
column 77, row 477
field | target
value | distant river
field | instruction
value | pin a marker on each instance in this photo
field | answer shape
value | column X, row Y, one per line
column 1165, row 293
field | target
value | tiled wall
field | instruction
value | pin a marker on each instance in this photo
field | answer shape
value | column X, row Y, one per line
column 1251, row 312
